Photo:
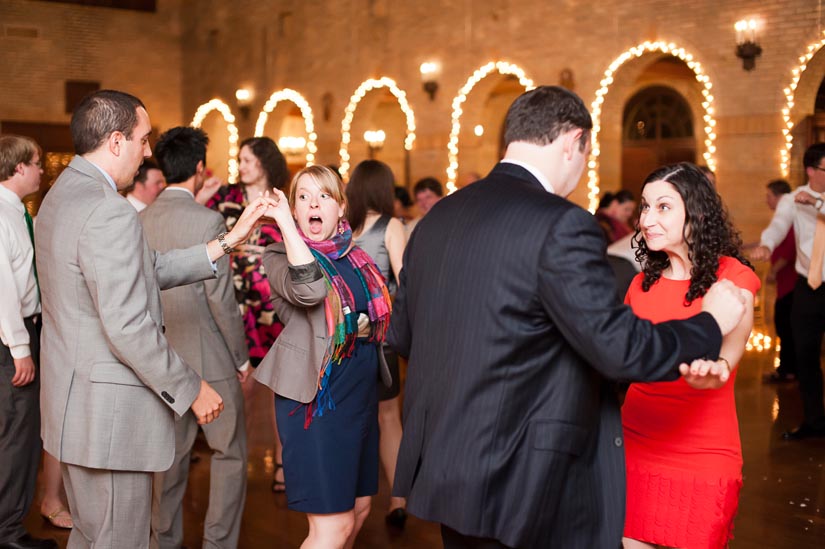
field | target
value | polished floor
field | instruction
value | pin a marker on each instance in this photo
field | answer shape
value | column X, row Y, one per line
column 782, row 503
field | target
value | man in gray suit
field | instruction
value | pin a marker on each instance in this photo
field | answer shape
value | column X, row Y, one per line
column 204, row 326
column 111, row 383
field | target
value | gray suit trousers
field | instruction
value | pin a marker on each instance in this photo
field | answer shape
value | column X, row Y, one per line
column 110, row 509
column 19, row 441
column 226, row 437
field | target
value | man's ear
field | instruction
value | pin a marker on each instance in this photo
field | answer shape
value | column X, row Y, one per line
column 200, row 168
column 571, row 142
column 114, row 141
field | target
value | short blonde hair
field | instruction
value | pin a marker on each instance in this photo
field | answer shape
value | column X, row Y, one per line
column 14, row 150
column 325, row 178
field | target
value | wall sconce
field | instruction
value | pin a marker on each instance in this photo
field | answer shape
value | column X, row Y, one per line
column 478, row 130
column 244, row 98
column 375, row 141
column 430, row 71
column 747, row 48
column 292, row 145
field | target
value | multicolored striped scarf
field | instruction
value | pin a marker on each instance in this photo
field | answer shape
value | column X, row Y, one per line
column 339, row 307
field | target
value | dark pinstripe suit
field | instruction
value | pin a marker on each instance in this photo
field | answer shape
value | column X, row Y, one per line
column 508, row 312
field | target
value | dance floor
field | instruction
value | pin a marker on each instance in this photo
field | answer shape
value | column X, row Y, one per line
column 782, row 503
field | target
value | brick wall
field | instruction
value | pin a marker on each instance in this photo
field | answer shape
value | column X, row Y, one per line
column 193, row 50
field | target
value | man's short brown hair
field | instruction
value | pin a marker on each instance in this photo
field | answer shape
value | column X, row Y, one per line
column 14, row 150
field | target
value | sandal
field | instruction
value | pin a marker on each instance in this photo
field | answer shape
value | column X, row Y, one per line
column 278, row 486
column 60, row 518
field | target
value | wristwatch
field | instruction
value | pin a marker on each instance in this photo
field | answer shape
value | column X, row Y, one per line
column 222, row 241
column 818, row 203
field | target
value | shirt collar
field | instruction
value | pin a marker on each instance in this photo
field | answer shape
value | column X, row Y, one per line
column 534, row 172
column 106, row 175
column 7, row 195
column 187, row 191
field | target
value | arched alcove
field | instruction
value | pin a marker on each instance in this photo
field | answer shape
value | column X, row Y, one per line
column 803, row 126
column 657, row 129
column 289, row 117
column 482, row 134
column 378, row 109
column 644, row 65
column 489, row 106
column 216, row 119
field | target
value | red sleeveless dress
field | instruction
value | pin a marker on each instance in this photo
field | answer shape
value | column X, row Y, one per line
column 684, row 458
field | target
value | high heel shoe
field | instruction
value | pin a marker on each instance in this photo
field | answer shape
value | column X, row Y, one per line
column 396, row 518
column 278, row 486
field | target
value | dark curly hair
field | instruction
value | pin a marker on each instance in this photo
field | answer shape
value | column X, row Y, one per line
column 272, row 161
column 708, row 231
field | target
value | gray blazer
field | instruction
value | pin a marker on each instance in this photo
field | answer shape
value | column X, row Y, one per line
column 292, row 365
column 203, row 320
column 110, row 380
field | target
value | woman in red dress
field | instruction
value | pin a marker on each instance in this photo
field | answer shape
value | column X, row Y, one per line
column 684, row 458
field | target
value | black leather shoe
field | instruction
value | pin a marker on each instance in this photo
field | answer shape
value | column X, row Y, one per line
column 28, row 542
column 397, row 518
column 804, row 431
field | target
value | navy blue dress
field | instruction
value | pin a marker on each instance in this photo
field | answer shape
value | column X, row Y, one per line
column 335, row 460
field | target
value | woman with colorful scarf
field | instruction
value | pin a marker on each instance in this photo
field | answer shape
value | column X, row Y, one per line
column 326, row 363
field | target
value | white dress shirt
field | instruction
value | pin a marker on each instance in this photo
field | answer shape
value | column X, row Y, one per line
column 803, row 219
column 534, row 171
column 19, row 297
column 139, row 206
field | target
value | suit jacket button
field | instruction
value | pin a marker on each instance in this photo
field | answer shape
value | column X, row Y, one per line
column 169, row 398
column 618, row 441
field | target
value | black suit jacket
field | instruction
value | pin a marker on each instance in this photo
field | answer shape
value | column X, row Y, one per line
column 508, row 312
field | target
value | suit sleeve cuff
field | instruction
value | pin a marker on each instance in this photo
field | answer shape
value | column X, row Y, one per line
column 304, row 274
column 709, row 324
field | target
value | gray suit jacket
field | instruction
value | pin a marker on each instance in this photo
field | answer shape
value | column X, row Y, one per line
column 292, row 365
column 203, row 320
column 110, row 380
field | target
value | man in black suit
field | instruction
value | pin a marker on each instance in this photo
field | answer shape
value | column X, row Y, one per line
column 508, row 312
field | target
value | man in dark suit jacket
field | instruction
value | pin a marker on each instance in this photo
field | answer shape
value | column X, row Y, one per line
column 508, row 312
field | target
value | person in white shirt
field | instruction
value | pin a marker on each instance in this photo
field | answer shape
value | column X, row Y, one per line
column 20, row 171
column 149, row 182
column 804, row 210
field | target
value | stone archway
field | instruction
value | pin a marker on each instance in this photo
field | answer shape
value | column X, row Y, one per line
column 500, row 67
column 231, row 150
column 799, row 122
column 623, row 77
column 300, row 103
column 349, row 113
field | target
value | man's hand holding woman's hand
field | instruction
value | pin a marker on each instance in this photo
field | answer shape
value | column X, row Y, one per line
column 706, row 374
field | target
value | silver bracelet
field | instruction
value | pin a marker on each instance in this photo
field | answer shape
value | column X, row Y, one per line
column 222, row 241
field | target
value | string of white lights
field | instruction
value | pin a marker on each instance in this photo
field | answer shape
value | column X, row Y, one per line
column 596, row 109
column 502, row 67
column 796, row 74
column 229, row 118
column 287, row 94
column 357, row 96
